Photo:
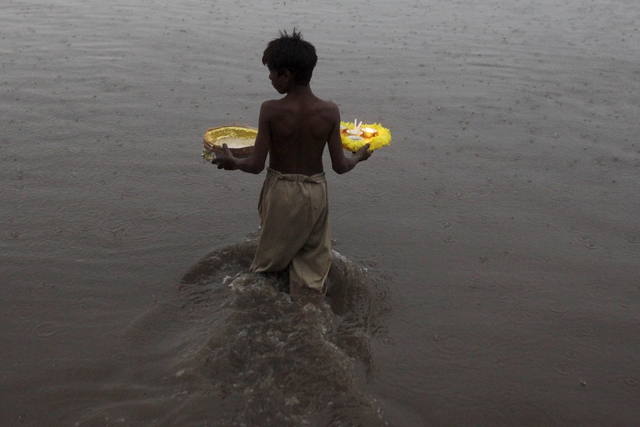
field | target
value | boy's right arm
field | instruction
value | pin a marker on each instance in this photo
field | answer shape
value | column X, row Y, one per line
column 339, row 162
column 256, row 161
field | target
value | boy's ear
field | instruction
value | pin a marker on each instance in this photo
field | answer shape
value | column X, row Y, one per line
column 286, row 74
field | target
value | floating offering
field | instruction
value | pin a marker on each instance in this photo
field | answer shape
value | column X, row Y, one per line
column 239, row 138
column 355, row 135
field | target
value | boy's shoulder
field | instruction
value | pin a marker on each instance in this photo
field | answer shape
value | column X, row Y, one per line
column 316, row 104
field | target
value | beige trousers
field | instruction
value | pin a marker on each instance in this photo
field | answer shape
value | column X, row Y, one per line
column 295, row 230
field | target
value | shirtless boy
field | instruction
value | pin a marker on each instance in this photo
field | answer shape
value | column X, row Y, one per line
column 294, row 131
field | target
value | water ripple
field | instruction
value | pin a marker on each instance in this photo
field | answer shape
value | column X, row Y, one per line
column 564, row 368
column 46, row 329
column 583, row 331
column 26, row 313
column 451, row 344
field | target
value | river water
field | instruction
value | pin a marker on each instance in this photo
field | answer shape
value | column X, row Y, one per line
column 487, row 262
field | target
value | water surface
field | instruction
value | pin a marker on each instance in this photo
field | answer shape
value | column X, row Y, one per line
column 488, row 257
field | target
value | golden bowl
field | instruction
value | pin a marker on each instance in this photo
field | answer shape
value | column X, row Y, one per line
column 239, row 139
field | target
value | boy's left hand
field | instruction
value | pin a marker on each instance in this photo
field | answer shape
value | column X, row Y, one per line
column 363, row 153
column 226, row 160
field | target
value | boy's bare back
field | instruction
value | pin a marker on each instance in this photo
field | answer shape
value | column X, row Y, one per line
column 298, row 127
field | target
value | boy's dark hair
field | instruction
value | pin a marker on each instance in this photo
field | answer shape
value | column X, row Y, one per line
column 291, row 53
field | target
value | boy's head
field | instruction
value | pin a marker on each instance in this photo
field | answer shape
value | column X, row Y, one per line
column 291, row 53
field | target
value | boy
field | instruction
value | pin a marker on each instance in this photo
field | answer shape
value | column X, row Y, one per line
column 293, row 205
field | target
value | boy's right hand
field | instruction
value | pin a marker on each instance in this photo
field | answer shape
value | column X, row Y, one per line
column 226, row 160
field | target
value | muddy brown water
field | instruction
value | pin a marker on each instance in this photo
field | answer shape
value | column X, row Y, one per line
column 488, row 259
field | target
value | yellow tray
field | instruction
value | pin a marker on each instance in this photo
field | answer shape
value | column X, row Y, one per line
column 242, row 138
column 380, row 140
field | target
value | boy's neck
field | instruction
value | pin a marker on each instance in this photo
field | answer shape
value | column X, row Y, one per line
column 299, row 91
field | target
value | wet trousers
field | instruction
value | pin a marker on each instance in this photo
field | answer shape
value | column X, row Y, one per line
column 294, row 230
